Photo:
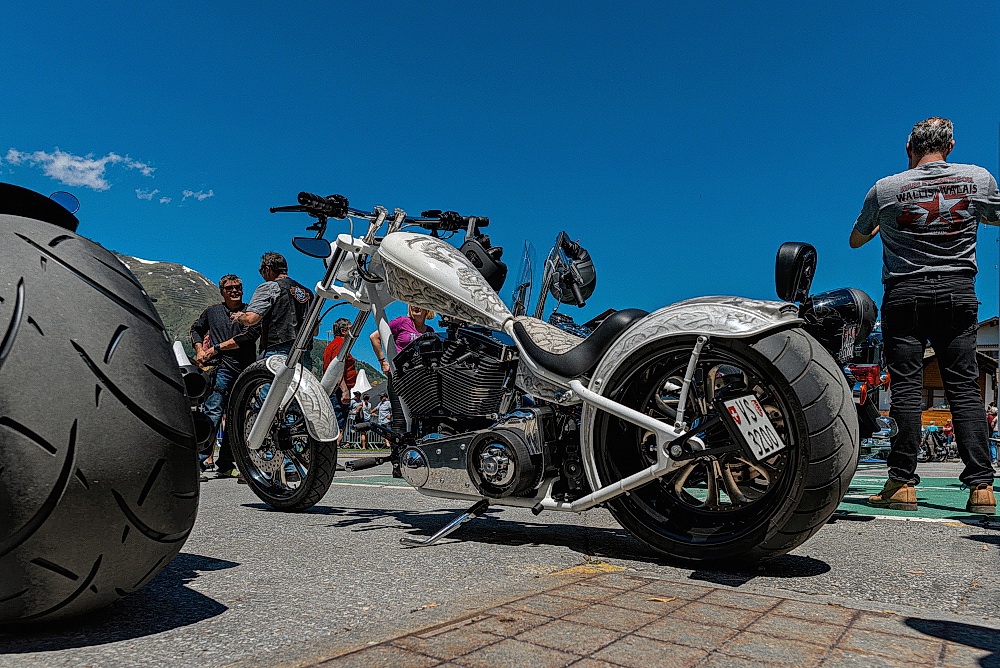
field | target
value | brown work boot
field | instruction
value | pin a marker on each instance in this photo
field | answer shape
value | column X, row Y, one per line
column 895, row 496
column 981, row 499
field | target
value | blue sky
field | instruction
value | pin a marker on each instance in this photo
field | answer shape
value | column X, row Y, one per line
column 680, row 142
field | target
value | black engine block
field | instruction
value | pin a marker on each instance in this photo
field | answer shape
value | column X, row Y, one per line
column 466, row 372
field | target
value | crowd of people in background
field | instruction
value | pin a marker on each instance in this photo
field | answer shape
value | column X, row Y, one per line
column 225, row 336
column 229, row 336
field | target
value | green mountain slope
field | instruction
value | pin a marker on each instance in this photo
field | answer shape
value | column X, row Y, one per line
column 180, row 294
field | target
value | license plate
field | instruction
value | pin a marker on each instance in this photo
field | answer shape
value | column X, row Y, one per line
column 752, row 423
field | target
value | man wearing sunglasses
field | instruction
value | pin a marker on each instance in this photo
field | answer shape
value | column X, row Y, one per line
column 230, row 349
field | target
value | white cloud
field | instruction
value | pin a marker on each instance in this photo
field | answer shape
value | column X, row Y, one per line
column 200, row 195
column 141, row 166
column 75, row 170
column 166, row 200
column 146, row 194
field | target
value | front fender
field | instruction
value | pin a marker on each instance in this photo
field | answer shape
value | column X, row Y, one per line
column 317, row 410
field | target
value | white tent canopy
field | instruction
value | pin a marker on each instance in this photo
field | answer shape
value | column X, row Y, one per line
column 362, row 384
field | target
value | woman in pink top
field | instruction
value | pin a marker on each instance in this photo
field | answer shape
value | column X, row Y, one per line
column 404, row 330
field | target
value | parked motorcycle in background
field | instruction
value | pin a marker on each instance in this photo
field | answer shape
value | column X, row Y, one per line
column 935, row 448
column 716, row 428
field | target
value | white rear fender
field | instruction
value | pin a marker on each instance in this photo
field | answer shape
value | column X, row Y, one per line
column 714, row 317
column 317, row 411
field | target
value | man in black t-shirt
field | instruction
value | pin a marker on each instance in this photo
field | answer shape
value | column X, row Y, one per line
column 279, row 305
column 230, row 348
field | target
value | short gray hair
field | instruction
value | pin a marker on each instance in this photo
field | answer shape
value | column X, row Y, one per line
column 933, row 135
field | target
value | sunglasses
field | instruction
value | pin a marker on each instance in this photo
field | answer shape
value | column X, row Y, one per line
column 233, row 288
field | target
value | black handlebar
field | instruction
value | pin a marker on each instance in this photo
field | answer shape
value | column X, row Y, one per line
column 577, row 295
column 337, row 206
column 334, row 206
column 450, row 221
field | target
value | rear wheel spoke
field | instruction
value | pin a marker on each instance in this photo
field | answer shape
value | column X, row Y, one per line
column 728, row 483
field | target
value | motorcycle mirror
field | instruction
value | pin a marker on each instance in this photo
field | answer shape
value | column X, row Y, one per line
column 67, row 200
column 794, row 269
column 312, row 246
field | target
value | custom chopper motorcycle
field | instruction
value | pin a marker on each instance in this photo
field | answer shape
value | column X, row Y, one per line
column 713, row 429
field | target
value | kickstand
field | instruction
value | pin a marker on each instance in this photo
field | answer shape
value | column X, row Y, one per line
column 474, row 511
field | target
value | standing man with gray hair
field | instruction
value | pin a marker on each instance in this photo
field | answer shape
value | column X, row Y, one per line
column 928, row 217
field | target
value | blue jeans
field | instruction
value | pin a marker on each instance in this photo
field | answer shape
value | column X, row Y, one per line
column 340, row 411
column 941, row 310
column 213, row 407
column 283, row 349
column 305, row 361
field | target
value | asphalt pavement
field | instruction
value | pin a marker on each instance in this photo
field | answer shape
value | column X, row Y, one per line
column 257, row 587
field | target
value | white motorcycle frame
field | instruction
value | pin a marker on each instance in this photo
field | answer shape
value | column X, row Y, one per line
column 428, row 272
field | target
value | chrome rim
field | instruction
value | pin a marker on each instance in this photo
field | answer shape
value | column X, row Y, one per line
column 716, row 483
column 280, row 471
column 711, row 498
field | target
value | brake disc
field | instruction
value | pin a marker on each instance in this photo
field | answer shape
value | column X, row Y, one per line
column 268, row 459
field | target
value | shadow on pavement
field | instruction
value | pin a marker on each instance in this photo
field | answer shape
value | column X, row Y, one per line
column 982, row 522
column 849, row 516
column 980, row 637
column 785, row 566
column 489, row 529
column 587, row 540
column 989, row 540
column 163, row 604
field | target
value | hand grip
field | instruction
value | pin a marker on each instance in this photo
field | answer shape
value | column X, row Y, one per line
column 334, row 206
column 577, row 295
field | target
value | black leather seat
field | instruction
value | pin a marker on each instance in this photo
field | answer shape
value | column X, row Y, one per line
column 582, row 357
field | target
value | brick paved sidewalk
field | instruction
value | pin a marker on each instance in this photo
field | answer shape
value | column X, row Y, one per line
column 618, row 619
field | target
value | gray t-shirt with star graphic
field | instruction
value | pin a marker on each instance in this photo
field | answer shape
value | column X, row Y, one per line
column 928, row 217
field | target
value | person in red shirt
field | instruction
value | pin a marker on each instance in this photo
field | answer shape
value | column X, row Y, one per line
column 343, row 396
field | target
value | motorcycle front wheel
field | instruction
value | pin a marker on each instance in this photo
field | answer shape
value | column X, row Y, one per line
column 730, row 508
column 291, row 471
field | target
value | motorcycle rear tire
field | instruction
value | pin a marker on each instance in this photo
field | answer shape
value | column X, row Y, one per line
column 818, row 475
column 98, row 470
column 322, row 456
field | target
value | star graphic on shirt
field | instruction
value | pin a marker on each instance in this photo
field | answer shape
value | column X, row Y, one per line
column 955, row 218
column 933, row 209
column 908, row 218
